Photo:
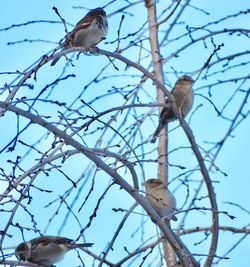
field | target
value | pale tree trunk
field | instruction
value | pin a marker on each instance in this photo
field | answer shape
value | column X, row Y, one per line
column 169, row 254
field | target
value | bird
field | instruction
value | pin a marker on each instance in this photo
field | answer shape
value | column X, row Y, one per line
column 88, row 32
column 184, row 98
column 161, row 199
column 46, row 250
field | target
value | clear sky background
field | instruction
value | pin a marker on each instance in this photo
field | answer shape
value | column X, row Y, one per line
column 206, row 125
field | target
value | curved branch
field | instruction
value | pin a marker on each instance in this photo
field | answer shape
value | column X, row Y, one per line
column 89, row 154
column 183, row 253
column 222, row 228
column 18, row 263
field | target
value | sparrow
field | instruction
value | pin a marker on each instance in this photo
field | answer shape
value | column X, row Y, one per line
column 184, row 98
column 46, row 250
column 161, row 199
column 88, row 32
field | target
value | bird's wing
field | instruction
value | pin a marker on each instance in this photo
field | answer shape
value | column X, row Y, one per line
column 62, row 240
column 84, row 23
column 46, row 240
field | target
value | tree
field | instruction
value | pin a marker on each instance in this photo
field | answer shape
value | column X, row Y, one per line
column 76, row 148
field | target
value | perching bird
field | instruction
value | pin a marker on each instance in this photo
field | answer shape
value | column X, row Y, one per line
column 184, row 99
column 46, row 250
column 161, row 199
column 88, row 32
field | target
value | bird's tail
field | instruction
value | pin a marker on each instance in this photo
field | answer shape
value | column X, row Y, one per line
column 168, row 218
column 157, row 131
column 54, row 61
column 84, row 245
column 174, row 218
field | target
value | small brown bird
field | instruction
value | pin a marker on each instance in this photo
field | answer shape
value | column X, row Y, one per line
column 184, row 99
column 46, row 250
column 88, row 32
column 161, row 199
